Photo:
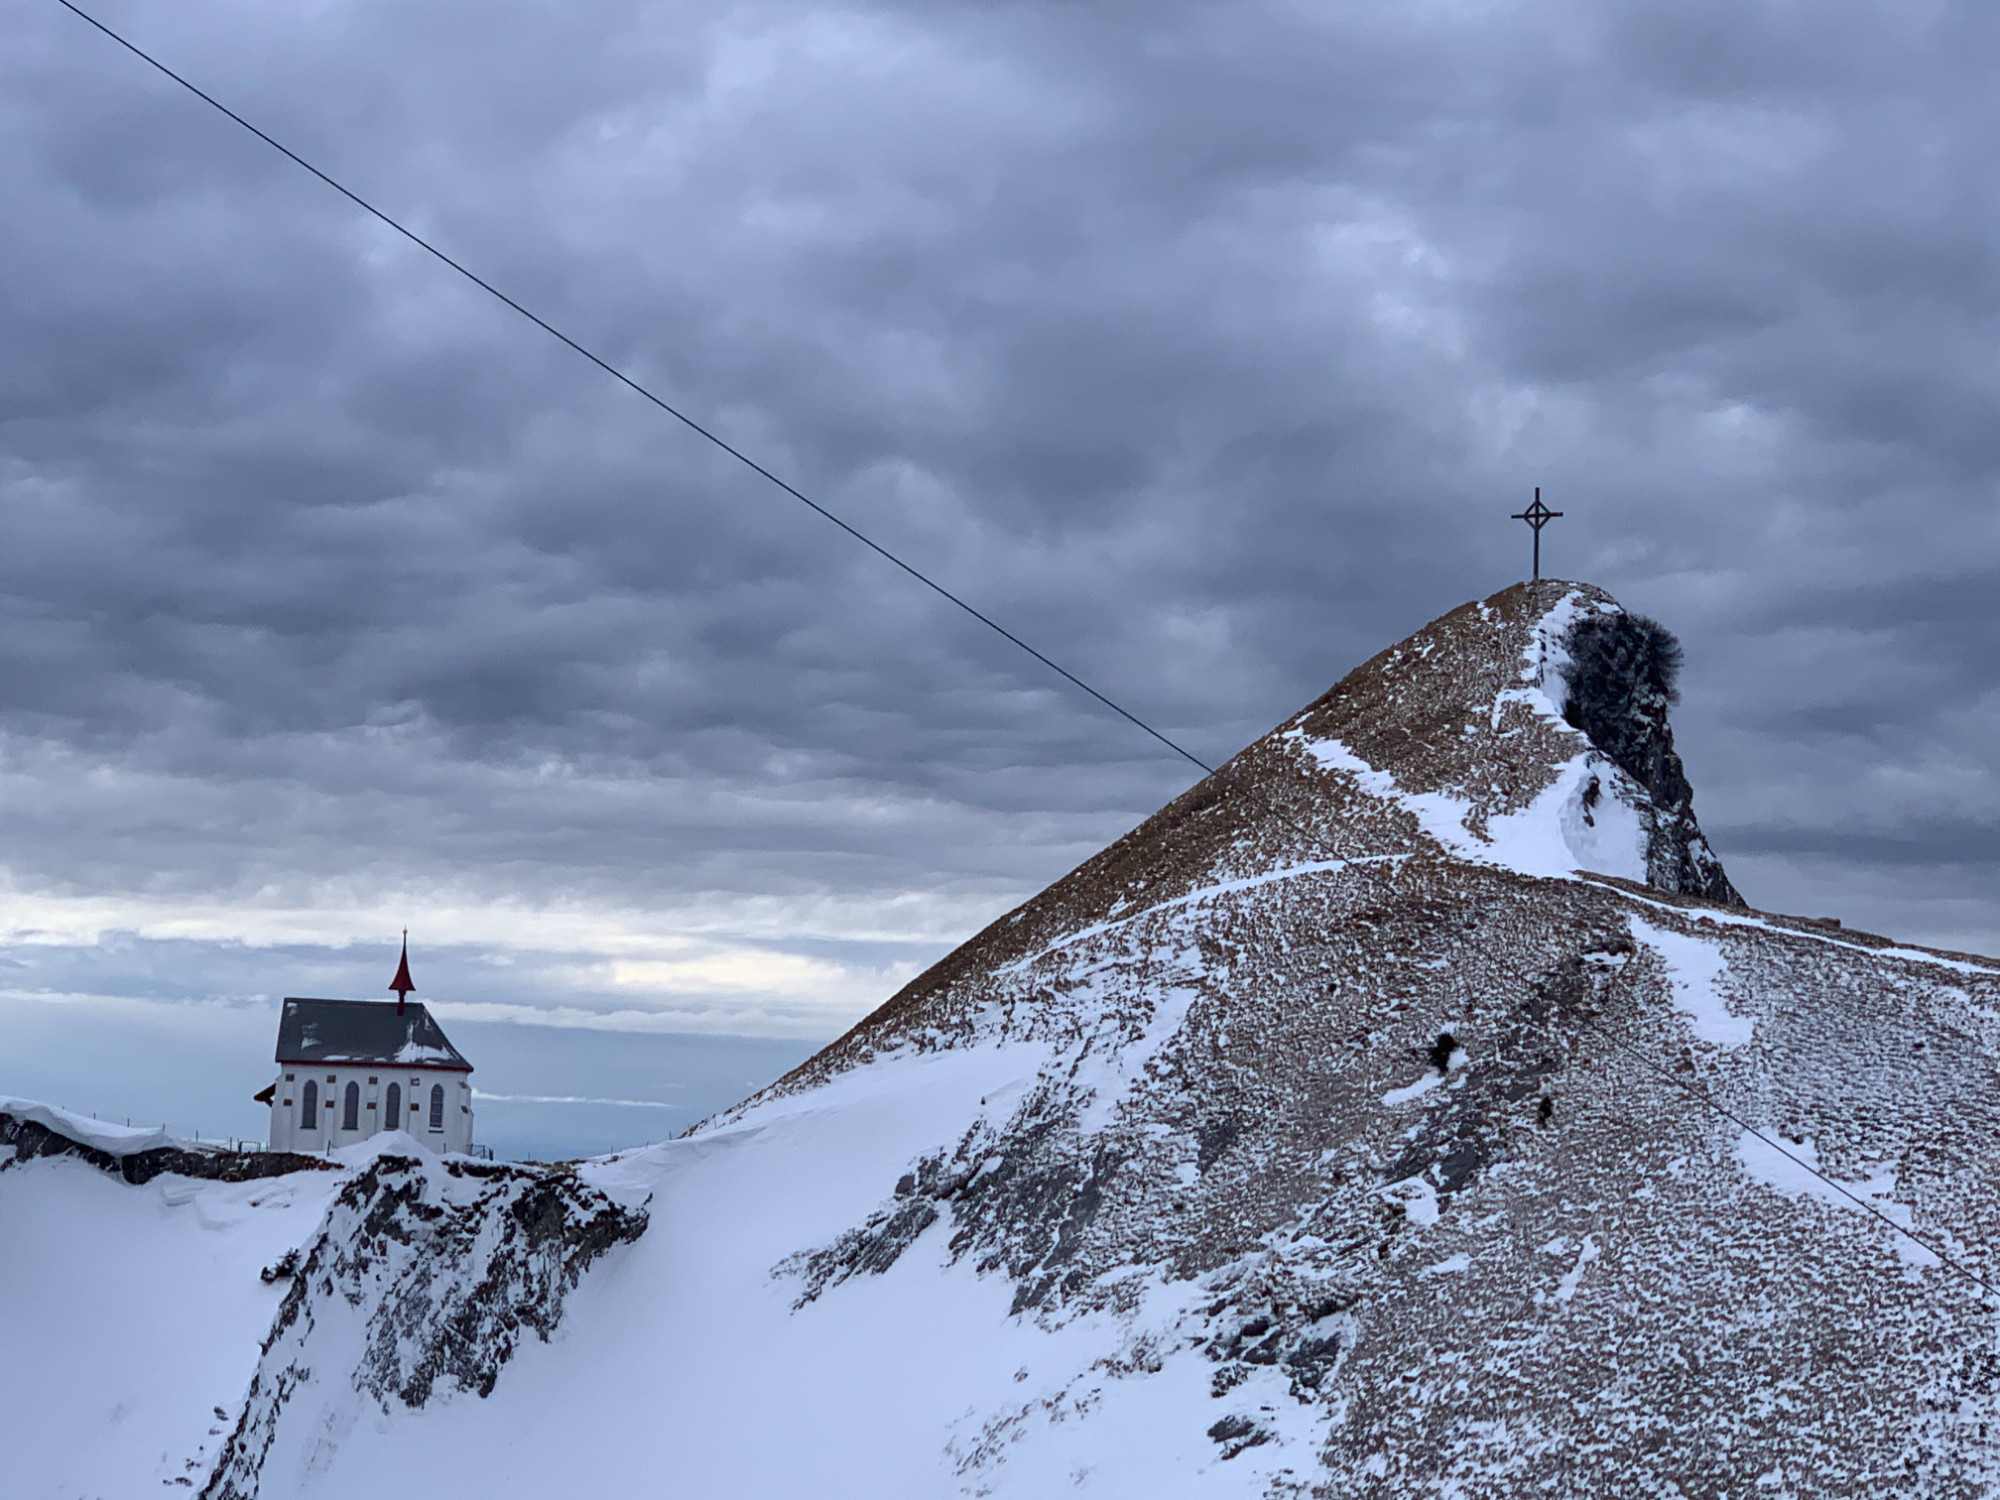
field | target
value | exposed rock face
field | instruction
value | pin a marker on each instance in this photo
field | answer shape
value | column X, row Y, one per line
column 31, row 1139
column 1545, row 1267
column 421, row 1283
column 1619, row 684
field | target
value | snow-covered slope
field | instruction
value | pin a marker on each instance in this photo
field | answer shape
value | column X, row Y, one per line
column 189, row 1317
column 130, row 1313
column 1334, row 1133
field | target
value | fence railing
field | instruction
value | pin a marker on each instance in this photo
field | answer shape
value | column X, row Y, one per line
column 192, row 1138
column 231, row 1142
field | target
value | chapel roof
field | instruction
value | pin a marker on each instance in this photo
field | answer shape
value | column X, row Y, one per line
column 365, row 1031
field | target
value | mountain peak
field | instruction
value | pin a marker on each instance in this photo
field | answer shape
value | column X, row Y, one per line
column 1332, row 1133
column 1473, row 742
column 1530, row 728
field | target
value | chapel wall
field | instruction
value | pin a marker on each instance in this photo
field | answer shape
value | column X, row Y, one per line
column 378, row 1091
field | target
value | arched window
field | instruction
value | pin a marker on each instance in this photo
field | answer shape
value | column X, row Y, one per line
column 392, row 1108
column 437, row 1106
column 350, row 1112
column 309, row 1106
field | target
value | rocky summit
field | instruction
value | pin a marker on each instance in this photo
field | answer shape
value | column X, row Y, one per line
column 1413, row 1108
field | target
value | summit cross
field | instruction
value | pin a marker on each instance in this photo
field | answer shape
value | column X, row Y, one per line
column 1537, row 516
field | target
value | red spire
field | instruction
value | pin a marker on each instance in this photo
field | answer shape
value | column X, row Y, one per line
column 401, row 983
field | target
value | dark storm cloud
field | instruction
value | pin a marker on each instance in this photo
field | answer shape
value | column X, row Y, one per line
column 1209, row 347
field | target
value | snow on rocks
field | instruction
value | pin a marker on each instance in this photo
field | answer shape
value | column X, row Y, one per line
column 1291, row 1109
column 29, row 1130
column 1499, row 774
column 1148, row 1188
column 1793, row 1168
column 1694, row 971
column 1573, row 1277
column 112, row 1139
column 1409, row 1093
column 1417, row 1199
column 420, row 1285
column 1451, row 1265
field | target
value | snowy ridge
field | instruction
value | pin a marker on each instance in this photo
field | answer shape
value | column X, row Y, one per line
column 112, row 1140
column 420, row 1284
column 1587, row 819
column 1574, row 809
column 139, row 1302
column 408, row 1277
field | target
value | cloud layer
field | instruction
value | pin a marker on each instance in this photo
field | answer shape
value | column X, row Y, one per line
column 1209, row 347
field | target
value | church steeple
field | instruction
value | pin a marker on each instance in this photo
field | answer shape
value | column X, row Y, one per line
column 401, row 983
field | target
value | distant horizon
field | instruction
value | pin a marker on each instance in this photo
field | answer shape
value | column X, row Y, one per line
column 200, row 1086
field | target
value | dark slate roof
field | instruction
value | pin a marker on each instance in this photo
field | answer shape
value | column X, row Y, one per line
column 364, row 1031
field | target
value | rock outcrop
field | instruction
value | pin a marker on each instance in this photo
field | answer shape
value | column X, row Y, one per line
column 31, row 1139
column 1396, row 1075
column 1619, row 682
column 421, row 1283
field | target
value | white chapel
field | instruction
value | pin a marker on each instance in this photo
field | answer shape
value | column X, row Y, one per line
column 350, row 1068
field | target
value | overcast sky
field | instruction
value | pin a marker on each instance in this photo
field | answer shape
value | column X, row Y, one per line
column 1209, row 346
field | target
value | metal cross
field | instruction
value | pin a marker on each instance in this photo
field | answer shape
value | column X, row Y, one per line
column 1537, row 516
